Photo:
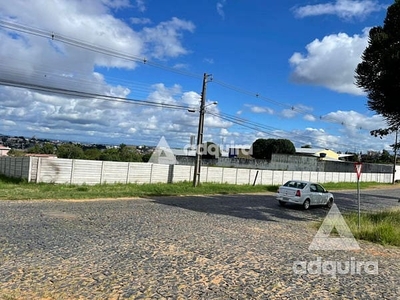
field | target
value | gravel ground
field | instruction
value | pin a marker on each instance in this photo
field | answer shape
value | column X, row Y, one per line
column 211, row 247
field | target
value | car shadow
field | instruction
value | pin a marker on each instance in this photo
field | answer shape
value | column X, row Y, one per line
column 257, row 207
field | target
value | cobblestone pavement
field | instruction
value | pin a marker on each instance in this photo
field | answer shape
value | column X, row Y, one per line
column 205, row 247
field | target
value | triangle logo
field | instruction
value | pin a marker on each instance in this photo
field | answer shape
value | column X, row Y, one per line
column 163, row 154
column 323, row 241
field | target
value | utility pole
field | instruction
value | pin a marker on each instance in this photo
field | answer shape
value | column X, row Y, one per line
column 395, row 158
column 197, row 166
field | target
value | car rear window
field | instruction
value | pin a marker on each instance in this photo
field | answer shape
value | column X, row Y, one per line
column 295, row 184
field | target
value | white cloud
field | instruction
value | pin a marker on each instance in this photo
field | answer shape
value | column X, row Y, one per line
column 87, row 21
column 220, row 8
column 35, row 60
column 296, row 110
column 140, row 5
column 331, row 62
column 319, row 138
column 116, row 4
column 310, row 118
column 260, row 109
column 353, row 121
column 181, row 66
column 344, row 9
column 140, row 21
column 224, row 132
column 163, row 40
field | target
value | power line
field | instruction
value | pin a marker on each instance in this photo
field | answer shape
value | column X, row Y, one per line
column 82, row 94
column 81, row 44
column 114, row 53
column 261, row 127
column 45, row 76
column 107, row 51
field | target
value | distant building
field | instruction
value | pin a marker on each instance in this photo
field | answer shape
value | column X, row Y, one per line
column 238, row 152
column 4, row 150
column 184, row 152
column 323, row 154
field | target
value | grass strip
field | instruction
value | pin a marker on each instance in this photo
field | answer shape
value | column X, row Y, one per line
column 19, row 189
column 381, row 227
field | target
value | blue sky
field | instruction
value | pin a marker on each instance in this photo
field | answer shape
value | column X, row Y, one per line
column 281, row 69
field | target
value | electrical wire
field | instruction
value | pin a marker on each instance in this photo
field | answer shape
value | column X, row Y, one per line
column 269, row 130
column 107, row 51
column 128, row 57
column 82, row 94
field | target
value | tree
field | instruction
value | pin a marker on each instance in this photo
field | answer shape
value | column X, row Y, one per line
column 48, row 148
column 378, row 73
column 264, row 148
column 92, row 154
column 128, row 154
column 122, row 153
column 146, row 157
column 259, row 149
column 110, row 154
column 35, row 149
column 385, row 157
column 70, row 151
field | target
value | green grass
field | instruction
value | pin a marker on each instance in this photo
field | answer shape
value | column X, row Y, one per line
column 353, row 185
column 19, row 189
column 379, row 227
column 16, row 189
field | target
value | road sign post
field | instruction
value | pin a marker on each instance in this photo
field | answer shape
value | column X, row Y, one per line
column 358, row 167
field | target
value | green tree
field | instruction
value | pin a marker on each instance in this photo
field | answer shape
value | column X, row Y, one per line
column 128, row 154
column 92, row 154
column 48, row 148
column 35, row 149
column 259, row 149
column 378, row 73
column 264, row 148
column 110, row 154
column 70, row 151
column 385, row 157
column 146, row 157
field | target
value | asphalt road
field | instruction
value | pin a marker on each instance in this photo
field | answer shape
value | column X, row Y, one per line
column 371, row 200
column 204, row 247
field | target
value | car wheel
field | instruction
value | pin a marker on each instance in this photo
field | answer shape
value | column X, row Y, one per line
column 330, row 203
column 306, row 204
column 282, row 203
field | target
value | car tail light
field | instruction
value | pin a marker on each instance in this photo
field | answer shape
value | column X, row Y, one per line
column 298, row 193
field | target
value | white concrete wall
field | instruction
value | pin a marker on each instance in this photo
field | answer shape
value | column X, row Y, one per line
column 76, row 171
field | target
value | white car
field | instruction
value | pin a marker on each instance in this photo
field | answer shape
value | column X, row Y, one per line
column 304, row 193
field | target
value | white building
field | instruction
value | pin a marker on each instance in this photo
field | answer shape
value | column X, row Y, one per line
column 4, row 150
